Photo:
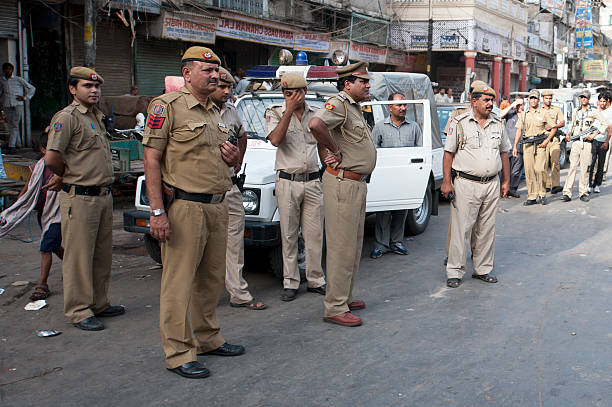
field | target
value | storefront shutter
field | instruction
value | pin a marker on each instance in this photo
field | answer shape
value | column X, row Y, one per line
column 8, row 19
column 154, row 60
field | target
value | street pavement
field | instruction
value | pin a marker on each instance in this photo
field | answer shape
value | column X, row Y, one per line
column 540, row 337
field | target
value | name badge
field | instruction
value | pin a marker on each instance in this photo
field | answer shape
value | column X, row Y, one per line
column 93, row 127
column 222, row 125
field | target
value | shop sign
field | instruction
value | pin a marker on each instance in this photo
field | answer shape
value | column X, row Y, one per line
column 147, row 6
column 449, row 41
column 418, row 41
column 595, row 70
column 395, row 57
column 368, row 53
column 314, row 42
column 188, row 28
column 247, row 31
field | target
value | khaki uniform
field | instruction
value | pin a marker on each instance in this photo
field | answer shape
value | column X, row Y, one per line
column 345, row 199
column 475, row 202
column 189, row 136
column 300, row 203
column 533, row 123
column 553, row 149
column 458, row 111
column 235, row 284
column 87, row 221
column 580, row 154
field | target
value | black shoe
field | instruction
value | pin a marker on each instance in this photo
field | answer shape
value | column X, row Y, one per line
column 566, row 198
column 191, row 370
column 585, row 198
column 514, row 194
column 556, row 190
column 112, row 311
column 226, row 350
column 90, row 324
column 318, row 290
column 289, row 294
column 529, row 202
column 543, row 201
column 547, row 189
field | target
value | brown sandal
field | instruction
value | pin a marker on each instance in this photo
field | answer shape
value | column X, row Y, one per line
column 41, row 292
column 253, row 304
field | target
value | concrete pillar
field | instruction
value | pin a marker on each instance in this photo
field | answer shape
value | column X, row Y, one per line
column 495, row 78
column 470, row 60
column 506, row 80
column 523, row 77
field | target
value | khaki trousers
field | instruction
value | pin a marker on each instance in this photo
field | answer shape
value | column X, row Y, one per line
column 235, row 284
column 553, row 152
column 345, row 203
column 87, row 233
column 300, row 204
column 448, row 234
column 475, row 205
column 580, row 156
column 192, row 280
column 535, row 171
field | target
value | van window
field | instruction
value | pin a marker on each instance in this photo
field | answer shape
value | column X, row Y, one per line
column 407, row 133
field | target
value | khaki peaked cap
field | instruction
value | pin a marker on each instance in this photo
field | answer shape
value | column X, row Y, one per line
column 293, row 80
column 201, row 54
column 226, row 76
column 88, row 74
column 359, row 69
column 484, row 89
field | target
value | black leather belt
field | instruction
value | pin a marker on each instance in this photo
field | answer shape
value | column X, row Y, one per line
column 309, row 176
column 202, row 198
column 234, row 180
column 90, row 191
column 482, row 180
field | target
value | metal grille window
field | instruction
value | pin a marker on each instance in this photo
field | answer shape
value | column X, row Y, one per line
column 366, row 29
column 253, row 7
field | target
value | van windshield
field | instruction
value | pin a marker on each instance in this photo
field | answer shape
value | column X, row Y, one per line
column 252, row 110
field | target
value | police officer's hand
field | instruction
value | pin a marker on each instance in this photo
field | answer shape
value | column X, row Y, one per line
column 567, row 138
column 230, row 153
column 160, row 227
column 514, row 152
column 54, row 184
column 544, row 144
column 295, row 101
column 446, row 189
column 333, row 160
column 505, row 187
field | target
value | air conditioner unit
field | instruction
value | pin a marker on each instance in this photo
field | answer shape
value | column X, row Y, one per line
column 533, row 59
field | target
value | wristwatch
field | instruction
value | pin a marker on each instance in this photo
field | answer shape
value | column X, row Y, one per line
column 157, row 212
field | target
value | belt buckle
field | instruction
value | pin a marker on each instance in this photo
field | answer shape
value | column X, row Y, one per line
column 217, row 198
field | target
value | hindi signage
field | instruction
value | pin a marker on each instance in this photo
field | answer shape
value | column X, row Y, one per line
column 395, row 57
column 188, row 28
column 449, row 41
column 253, row 32
column 367, row 53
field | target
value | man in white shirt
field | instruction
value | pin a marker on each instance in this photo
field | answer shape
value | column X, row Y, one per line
column 13, row 92
column 449, row 95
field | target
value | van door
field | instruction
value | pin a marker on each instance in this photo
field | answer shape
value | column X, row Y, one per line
column 401, row 175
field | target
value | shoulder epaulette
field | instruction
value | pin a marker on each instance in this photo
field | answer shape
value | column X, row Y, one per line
column 69, row 109
column 169, row 97
column 461, row 116
column 340, row 96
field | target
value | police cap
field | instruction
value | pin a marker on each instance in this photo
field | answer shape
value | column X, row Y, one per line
column 293, row 80
column 484, row 89
column 547, row 92
column 201, row 54
column 534, row 93
column 226, row 76
column 585, row 93
column 359, row 69
column 88, row 74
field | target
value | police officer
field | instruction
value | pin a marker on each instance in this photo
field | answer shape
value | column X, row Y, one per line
column 531, row 126
column 475, row 151
column 298, row 188
column 553, row 149
column 342, row 131
column 78, row 151
column 235, row 284
column 580, row 153
column 186, row 153
column 456, row 112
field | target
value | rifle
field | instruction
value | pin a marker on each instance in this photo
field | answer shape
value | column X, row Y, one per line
column 535, row 141
column 584, row 134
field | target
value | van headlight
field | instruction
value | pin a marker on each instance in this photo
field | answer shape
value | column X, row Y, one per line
column 250, row 201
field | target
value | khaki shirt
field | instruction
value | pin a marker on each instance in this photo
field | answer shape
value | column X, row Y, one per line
column 535, row 122
column 79, row 134
column 579, row 122
column 229, row 115
column 297, row 154
column 189, row 136
column 456, row 112
column 356, row 144
column 555, row 114
column 480, row 154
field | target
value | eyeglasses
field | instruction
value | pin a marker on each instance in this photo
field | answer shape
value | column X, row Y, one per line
column 533, row 97
column 586, row 97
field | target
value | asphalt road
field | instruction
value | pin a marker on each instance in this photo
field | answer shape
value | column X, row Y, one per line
column 540, row 337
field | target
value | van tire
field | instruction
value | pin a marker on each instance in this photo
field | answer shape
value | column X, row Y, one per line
column 153, row 248
column 418, row 219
